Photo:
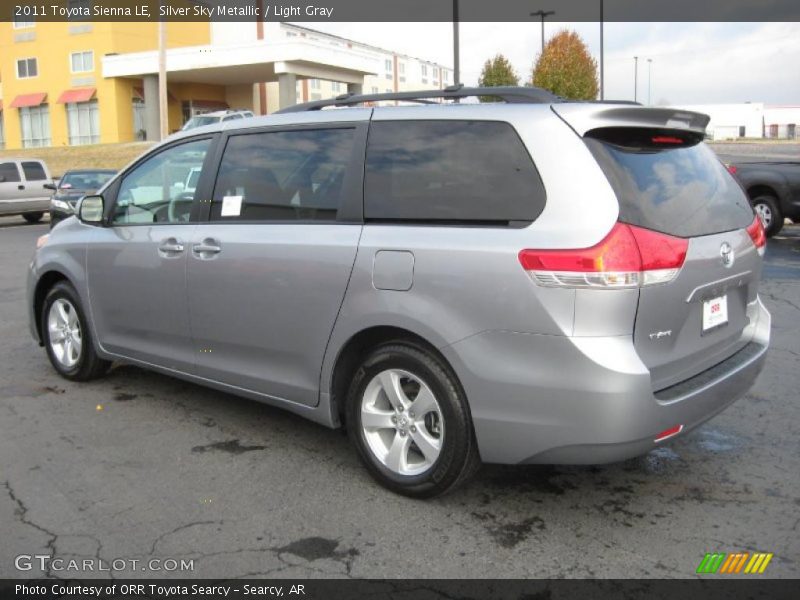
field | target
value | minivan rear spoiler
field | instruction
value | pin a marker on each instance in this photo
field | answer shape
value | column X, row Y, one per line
column 586, row 117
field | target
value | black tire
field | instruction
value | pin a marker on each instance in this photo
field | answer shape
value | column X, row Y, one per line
column 766, row 204
column 33, row 217
column 89, row 365
column 458, row 459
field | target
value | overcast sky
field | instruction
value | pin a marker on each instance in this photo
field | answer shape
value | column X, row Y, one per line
column 692, row 63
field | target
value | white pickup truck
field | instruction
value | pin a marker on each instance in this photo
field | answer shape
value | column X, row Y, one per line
column 22, row 188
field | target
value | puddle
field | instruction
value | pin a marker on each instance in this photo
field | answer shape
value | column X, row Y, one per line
column 716, row 441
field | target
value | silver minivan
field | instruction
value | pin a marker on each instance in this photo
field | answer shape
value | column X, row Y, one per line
column 528, row 281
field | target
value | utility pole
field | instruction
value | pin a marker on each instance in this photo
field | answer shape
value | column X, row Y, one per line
column 542, row 14
column 162, row 79
column 649, row 65
column 635, row 78
column 602, row 82
column 456, row 57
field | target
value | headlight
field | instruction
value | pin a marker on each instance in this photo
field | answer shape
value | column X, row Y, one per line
column 60, row 205
column 41, row 241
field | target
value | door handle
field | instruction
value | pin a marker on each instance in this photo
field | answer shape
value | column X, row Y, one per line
column 170, row 246
column 20, row 187
column 207, row 248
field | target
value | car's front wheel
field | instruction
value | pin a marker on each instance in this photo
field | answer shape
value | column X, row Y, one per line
column 66, row 337
column 409, row 420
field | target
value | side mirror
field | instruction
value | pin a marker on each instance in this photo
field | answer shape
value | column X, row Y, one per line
column 50, row 186
column 90, row 209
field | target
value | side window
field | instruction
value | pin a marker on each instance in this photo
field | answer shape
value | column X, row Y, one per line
column 9, row 172
column 156, row 191
column 34, row 171
column 283, row 176
column 450, row 171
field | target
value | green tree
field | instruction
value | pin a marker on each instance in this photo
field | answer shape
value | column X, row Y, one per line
column 566, row 68
column 497, row 71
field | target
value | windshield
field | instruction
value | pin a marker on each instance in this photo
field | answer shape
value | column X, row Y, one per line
column 84, row 180
column 200, row 121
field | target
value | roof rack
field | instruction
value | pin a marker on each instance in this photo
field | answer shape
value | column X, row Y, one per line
column 513, row 95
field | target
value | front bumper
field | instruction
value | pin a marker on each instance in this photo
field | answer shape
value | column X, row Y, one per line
column 560, row 400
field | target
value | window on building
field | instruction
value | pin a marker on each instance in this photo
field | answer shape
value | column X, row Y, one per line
column 375, row 89
column 79, row 9
column 83, row 122
column 283, row 176
column 388, row 90
column 388, row 63
column 27, row 67
column 35, row 124
column 23, row 22
column 450, row 171
column 741, row 131
column 424, row 70
column 314, row 84
column 82, row 62
column 139, row 126
column 336, row 86
column 401, row 69
column 34, row 171
column 291, row 34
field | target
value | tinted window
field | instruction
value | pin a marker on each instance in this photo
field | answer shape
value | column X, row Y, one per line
column 675, row 185
column 155, row 190
column 34, row 171
column 286, row 175
column 450, row 171
column 9, row 172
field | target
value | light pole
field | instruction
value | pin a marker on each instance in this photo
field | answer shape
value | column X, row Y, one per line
column 542, row 14
column 649, row 65
column 456, row 57
column 635, row 78
column 602, row 86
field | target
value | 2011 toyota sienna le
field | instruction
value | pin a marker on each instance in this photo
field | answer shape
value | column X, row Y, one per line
column 528, row 281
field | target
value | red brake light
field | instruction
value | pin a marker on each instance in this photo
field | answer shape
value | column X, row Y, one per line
column 757, row 234
column 731, row 169
column 666, row 139
column 628, row 256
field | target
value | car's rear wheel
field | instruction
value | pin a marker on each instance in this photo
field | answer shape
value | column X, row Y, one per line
column 33, row 217
column 768, row 210
column 66, row 337
column 408, row 418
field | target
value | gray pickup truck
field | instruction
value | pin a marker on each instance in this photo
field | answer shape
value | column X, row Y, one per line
column 22, row 188
column 773, row 188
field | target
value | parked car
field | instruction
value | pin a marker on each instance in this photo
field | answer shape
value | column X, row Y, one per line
column 22, row 188
column 773, row 188
column 72, row 186
column 212, row 118
column 534, row 281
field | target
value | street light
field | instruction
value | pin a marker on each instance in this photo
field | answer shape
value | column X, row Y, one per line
column 635, row 78
column 602, row 83
column 456, row 58
column 649, row 65
column 543, row 14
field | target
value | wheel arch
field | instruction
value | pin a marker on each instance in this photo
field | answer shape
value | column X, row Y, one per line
column 43, row 286
column 355, row 349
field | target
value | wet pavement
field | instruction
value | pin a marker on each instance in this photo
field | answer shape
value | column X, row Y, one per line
column 138, row 465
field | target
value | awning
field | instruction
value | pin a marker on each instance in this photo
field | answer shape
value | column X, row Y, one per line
column 28, row 100
column 77, row 95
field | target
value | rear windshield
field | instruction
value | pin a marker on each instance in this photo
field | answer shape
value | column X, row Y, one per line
column 669, row 183
column 84, row 180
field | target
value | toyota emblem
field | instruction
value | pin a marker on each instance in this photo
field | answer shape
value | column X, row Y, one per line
column 726, row 252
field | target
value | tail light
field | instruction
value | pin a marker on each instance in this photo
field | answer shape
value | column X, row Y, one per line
column 731, row 169
column 628, row 257
column 758, row 235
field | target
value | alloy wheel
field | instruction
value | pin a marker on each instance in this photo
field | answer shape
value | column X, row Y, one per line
column 64, row 332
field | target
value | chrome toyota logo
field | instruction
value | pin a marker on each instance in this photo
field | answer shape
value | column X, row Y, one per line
column 726, row 252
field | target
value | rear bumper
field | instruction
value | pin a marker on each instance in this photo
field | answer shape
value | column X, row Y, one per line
column 559, row 400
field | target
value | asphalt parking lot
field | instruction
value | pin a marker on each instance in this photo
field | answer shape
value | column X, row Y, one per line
column 138, row 465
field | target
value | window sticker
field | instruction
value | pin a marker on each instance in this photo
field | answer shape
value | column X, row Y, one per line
column 231, row 206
